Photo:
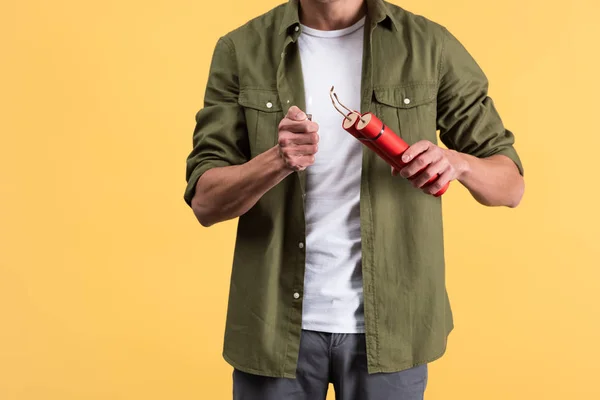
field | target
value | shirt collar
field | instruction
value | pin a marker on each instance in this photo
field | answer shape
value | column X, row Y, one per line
column 377, row 10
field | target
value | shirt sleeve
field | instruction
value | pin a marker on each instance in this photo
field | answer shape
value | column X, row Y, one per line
column 220, row 137
column 466, row 116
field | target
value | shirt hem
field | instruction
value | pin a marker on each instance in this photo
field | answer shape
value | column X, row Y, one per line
column 412, row 364
column 370, row 369
column 253, row 371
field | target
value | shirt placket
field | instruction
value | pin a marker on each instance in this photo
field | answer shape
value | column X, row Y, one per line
column 290, row 87
column 366, row 210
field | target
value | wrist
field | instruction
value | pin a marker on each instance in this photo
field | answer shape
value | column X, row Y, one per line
column 464, row 164
column 277, row 161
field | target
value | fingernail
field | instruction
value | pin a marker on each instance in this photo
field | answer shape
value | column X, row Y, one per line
column 406, row 158
column 300, row 116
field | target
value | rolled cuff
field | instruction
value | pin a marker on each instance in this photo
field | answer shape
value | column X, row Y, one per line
column 511, row 153
column 200, row 169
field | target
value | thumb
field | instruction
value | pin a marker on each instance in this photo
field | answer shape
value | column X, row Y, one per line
column 296, row 114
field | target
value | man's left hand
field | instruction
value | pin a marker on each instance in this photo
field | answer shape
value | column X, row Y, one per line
column 430, row 160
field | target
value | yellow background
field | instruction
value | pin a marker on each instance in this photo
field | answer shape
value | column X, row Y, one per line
column 109, row 288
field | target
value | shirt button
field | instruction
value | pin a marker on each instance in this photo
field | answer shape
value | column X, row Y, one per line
column 288, row 102
column 297, row 28
column 269, row 104
column 296, row 295
column 301, row 245
column 407, row 101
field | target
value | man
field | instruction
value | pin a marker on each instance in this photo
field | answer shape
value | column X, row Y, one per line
column 338, row 272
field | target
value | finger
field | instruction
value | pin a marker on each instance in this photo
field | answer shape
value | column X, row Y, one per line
column 305, row 150
column 395, row 172
column 422, row 178
column 413, row 151
column 291, row 161
column 289, row 139
column 307, row 160
column 296, row 114
column 419, row 163
column 439, row 183
column 299, row 163
column 305, row 126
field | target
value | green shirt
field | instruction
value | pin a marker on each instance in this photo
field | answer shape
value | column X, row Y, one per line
column 255, row 76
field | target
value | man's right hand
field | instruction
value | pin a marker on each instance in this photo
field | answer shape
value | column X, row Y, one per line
column 298, row 139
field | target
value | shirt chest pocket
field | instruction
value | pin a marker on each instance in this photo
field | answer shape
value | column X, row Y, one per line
column 409, row 110
column 263, row 112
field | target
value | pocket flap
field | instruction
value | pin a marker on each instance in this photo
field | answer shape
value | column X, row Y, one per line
column 406, row 96
column 260, row 99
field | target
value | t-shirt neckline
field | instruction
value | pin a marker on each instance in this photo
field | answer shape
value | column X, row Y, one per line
column 335, row 33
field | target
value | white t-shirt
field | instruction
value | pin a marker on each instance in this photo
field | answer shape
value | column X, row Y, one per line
column 333, row 293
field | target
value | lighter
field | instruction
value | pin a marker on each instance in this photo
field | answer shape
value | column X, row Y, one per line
column 378, row 137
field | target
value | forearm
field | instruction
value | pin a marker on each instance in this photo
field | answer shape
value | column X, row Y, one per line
column 225, row 193
column 492, row 181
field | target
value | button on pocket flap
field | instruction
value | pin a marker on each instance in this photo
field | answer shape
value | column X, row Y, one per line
column 407, row 96
column 260, row 99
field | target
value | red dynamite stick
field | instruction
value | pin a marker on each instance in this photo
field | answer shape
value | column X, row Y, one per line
column 349, row 125
column 374, row 132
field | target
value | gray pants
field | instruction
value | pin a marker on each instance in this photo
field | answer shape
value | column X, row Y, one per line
column 337, row 358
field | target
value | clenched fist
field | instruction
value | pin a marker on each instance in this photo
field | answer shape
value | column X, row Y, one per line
column 298, row 139
column 425, row 161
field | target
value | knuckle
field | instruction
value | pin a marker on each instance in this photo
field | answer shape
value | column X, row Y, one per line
column 439, row 184
column 284, row 123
